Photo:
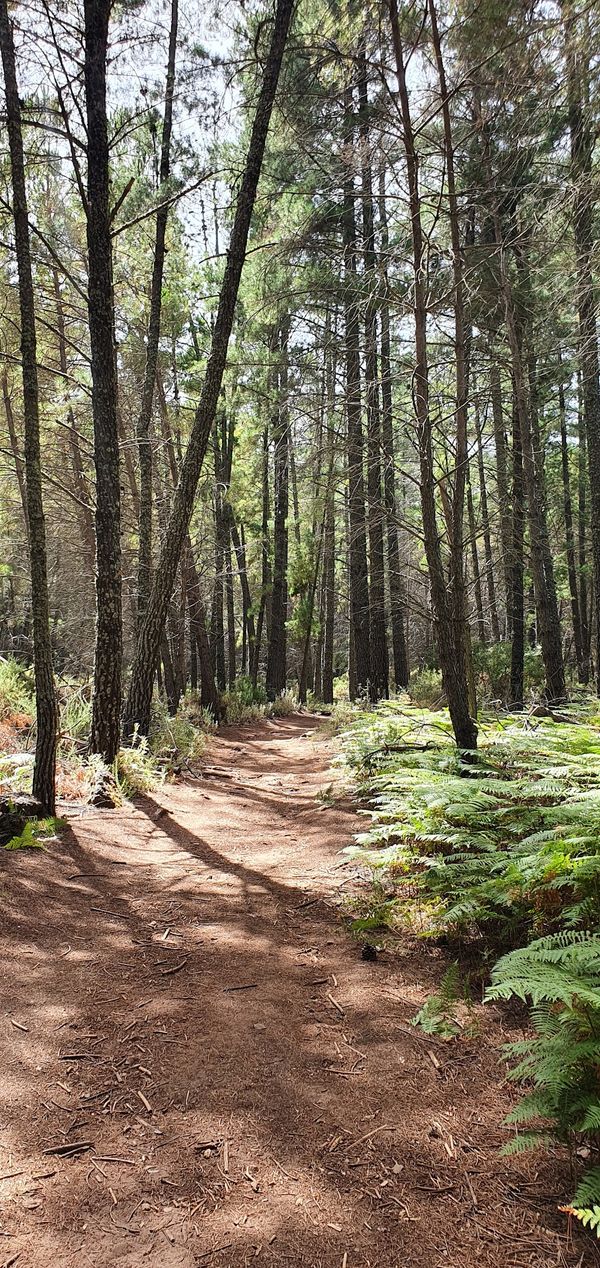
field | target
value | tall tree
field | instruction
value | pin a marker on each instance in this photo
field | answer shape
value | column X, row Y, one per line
column 106, row 701
column 153, row 335
column 583, row 133
column 377, row 612
column 448, row 610
column 45, row 693
column 150, row 632
column 360, row 679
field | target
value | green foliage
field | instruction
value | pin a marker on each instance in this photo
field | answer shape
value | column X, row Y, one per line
column 136, row 769
column 425, row 688
column 439, row 1016
column 560, row 977
column 283, row 706
column 509, row 847
column 492, row 670
column 17, row 693
column 173, row 740
column 502, row 850
column 76, row 716
column 35, row 832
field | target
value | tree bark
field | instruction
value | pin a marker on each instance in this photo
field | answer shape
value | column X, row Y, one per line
column 397, row 605
column 106, row 701
column 360, row 680
column 569, row 532
column 145, row 416
column 377, row 613
column 475, row 566
column 45, row 694
column 517, row 568
column 500, row 446
column 451, row 652
column 151, row 628
column 582, row 489
column 582, row 133
column 487, row 539
column 86, row 514
column 277, row 648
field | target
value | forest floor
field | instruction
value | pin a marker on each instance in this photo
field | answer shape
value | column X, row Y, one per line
column 185, row 1010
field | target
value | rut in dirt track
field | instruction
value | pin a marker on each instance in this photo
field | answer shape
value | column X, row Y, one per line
column 181, row 1001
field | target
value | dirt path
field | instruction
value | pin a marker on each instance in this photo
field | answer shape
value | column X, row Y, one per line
column 178, row 990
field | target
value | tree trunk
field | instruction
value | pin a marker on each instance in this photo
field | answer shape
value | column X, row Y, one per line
column 583, row 133
column 357, row 539
column 487, row 539
column 501, row 482
column 582, row 483
column 265, row 585
column 451, row 651
column 542, row 569
column 106, row 701
column 145, row 415
column 569, row 533
column 230, row 605
column 475, row 565
column 456, row 587
column 377, row 613
column 397, row 607
column 516, row 564
column 277, row 648
column 150, row 632
column 15, row 449
column 45, row 694
column 86, row 515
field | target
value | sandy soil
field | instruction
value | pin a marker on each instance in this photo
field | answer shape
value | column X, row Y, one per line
column 183, row 1008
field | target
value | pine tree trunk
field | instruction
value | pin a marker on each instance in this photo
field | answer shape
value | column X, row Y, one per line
column 502, row 483
column 357, row 535
column 45, row 694
column 265, row 585
column 569, row 533
column 541, row 560
column 15, row 449
column 150, row 632
column 397, row 606
column 230, row 606
column 542, row 568
column 582, row 488
column 377, row 613
column 277, row 649
column 583, row 133
column 145, row 416
column 516, row 564
column 86, row 515
column 209, row 696
column 462, row 339
column 450, row 647
column 106, row 701
column 487, row 539
column 476, row 568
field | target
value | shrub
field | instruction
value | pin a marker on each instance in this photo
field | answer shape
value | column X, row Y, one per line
column 425, row 688
column 283, row 706
column 175, row 739
column 492, row 670
column 136, row 769
column 17, row 692
column 560, row 976
column 76, row 716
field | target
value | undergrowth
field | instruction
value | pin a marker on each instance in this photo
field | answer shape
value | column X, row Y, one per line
column 498, row 855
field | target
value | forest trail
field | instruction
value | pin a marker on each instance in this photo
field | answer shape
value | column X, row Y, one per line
column 178, row 990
